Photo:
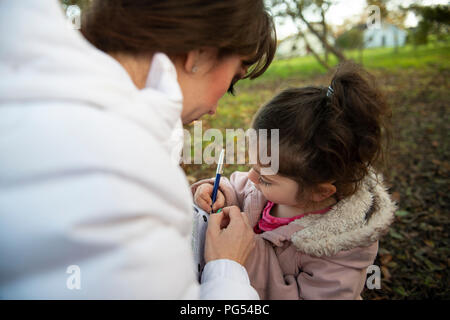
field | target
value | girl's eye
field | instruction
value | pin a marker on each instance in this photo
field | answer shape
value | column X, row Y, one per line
column 265, row 183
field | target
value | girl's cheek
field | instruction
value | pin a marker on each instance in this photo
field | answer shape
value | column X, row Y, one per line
column 269, row 194
column 278, row 196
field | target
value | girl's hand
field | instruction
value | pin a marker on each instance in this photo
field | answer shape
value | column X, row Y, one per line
column 202, row 198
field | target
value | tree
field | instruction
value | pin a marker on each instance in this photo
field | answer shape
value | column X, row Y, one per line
column 351, row 39
column 324, row 6
column 391, row 11
column 295, row 10
column 433, row 20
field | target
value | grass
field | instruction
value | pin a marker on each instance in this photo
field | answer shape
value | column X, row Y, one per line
column 237, row 111
column 413, row 256
column 436, row 54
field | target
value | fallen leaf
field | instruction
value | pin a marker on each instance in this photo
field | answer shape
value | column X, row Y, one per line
column 435, row 161
column 401, row 291
column 395, row 196
column 429, row 243
column 401, row 213
column 385, row 259
column 395, row 234
column 386, row 273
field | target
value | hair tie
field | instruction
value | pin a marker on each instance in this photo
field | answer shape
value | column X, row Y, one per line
column 330, row 91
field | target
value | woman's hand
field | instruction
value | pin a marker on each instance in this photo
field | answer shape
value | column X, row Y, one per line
column 202, row 198
column 229, row 236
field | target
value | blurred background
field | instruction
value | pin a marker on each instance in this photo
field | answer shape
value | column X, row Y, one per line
column 406, row 45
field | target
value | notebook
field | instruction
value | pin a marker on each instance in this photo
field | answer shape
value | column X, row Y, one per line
column 200, row 224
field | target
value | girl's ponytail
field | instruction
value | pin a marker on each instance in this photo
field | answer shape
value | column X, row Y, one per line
column 361, row 107
column 333, row 133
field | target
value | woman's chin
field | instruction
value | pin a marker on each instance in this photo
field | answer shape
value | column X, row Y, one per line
column 188, row 120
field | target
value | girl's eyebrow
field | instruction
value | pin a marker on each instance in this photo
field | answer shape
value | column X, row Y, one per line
column 259, row 173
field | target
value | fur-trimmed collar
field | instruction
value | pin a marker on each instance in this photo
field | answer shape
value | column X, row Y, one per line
column 356, row 221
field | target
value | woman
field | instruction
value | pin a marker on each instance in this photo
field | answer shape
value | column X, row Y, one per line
column 91, row 204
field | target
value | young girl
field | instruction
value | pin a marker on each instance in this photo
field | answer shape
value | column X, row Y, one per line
column 319, row 218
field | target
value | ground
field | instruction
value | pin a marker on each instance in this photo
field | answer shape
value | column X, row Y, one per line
column 414, row 255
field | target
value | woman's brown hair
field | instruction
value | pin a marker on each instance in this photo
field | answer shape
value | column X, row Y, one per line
column 175, row 27
column 329, row 135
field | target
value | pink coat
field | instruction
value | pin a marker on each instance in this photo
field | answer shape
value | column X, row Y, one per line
column 318, row 256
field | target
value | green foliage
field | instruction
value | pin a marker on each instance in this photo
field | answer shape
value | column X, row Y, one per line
column 302, row 67
column 434, row 54
column 434, row 20
column 351, row 39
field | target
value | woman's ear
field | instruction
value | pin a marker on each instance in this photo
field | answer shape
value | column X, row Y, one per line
column 191, row 61
column 323, row 191
column 199, row 59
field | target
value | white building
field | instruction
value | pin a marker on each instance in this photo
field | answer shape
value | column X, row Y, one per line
column 386, row 35
column 294, row 46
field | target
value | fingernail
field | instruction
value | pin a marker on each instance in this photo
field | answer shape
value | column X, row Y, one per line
column 219, row 210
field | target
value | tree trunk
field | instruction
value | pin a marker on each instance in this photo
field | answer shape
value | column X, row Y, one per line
column 310, row 49
column 324, row 32
column 324, row 41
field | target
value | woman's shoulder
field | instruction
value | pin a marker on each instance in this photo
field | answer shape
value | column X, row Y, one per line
column 59, row 136
column 61, row 142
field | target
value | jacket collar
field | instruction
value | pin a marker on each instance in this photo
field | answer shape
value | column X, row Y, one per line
column 345, row 226
column 162, row 77
column 162, row 99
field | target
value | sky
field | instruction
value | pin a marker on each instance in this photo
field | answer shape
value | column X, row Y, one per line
column 344, row 9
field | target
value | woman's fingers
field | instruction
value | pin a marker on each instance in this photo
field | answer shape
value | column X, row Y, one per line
column 228, row 236
column 215, row 222
column 221, row 219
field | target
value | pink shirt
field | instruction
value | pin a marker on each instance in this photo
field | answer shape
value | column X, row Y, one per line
column 269, row 222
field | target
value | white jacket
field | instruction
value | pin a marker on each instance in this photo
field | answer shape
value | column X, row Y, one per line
column 87, row 181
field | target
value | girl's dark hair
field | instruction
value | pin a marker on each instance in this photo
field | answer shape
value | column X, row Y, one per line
column 329, row 138
column 175, row 27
